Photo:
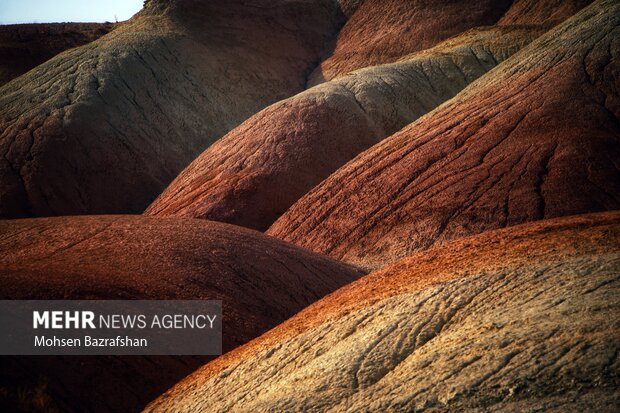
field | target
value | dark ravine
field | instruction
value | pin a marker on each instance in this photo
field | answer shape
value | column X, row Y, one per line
column 536, row 137
column 24, row 46
column 262, row 281
column 257, row 171
column 103, row 128
column 519, row 319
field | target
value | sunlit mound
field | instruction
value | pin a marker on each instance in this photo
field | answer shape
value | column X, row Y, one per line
column 536, row 137
column 520, row 319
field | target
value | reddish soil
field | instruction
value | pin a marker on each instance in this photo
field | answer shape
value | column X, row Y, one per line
column 523, row 318
column 257, row 171
column 549, row 12
column 262, row 281
column 382, row 31
column 536, row 137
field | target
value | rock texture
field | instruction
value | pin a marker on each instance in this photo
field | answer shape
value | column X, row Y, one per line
column 548, row 12
column 256, row 172
column 262, row 281
column 520, row 319
column 24, row 46
column 382, row 31
column 536, row 137
column 103, row 128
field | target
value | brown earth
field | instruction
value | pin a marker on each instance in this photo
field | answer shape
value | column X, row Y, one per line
column 104, row 127
column 382, row 31
column 24, row 46
column 520, row 319
column 256, row 172
column 549, row 12
column 261, row 280
column 536, row 137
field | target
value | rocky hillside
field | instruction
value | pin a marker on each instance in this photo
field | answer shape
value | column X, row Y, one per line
column 261, row 282
column 256, row 172
column 521, row 319
column 382, row 31
column 103, row 128
column 542, row 12
column 536, row 137
column 438, row 183
column 24, row 46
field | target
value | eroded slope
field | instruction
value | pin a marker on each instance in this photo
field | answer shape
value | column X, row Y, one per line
column 256, row 172
column 382, row 31
column 536, row 137
column 549, row 12
column 262, row 281
column 524, row 318
column 103, row 128
column 24, row 46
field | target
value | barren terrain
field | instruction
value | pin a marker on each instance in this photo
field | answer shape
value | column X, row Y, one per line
column 261, row 282
column 256, row 172
column 24, row 46
column 536, row 137
column 524, row 318
column 437, row 184
column 103, row 128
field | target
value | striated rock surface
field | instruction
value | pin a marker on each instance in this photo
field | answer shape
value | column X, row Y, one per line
column 24, row 46
column 549, row 12
column 536, row 137
column 520, row 319
column 261, row 280
column 255, row 173
column 382, row 31
column 103, row 128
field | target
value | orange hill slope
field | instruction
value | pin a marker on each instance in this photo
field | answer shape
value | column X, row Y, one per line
column 256, row 172
column 382, row 31
column 519, row 319
column 536, row 137
column 542, row 12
